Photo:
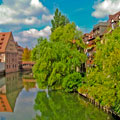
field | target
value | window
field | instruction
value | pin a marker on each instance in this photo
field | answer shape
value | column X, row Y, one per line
column 2, row 38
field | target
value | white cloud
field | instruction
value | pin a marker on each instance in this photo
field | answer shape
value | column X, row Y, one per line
column 27, row 12
column 105, row 8
column 29, row 37
column 36, row 3
column 36, row 34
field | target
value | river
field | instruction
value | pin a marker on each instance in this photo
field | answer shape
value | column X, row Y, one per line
column 21, row 99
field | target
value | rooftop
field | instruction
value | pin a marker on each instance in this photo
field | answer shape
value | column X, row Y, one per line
column 100, row 24
column 4, row 37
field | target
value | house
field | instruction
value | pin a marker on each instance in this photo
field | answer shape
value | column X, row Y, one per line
column 98, row 31
column 89, row 40
column 8, row 52
column 114, row 20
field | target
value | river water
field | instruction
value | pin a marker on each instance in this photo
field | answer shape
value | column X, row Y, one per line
column 20, row 99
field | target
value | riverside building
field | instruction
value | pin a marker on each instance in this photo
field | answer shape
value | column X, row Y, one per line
column 8, row 53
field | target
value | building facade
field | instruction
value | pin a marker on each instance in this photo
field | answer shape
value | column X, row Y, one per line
column 20, row 53
column 8, row 52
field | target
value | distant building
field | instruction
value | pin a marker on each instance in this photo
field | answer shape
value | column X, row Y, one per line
column 20, row 53
column 8, row 52
column 90, row 41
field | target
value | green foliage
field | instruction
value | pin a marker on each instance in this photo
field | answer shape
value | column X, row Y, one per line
column 58, row 20
column 57, row 60
column 59, row 57
column 72, row 82
column 103, row 81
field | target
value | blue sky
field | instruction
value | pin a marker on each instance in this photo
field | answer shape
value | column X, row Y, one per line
column 30, row 19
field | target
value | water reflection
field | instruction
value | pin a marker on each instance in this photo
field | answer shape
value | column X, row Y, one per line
column 10, row 87
column 17, row 97
column 20, row 100
column 63, row 106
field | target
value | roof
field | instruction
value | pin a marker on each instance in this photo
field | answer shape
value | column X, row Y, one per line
column 4, row 38
column 115, row 17
column 100, row 24
column 5, row 106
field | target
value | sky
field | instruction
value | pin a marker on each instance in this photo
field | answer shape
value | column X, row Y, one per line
column 30, row 19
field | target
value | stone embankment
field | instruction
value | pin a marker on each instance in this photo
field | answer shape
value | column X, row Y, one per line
column 97, row 104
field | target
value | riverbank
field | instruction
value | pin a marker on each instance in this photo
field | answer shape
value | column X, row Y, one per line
column 97, row 104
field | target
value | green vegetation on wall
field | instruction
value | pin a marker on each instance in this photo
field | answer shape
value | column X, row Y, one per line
column 103, row 81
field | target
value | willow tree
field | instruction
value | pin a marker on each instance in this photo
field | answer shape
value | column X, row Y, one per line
column 58, row 58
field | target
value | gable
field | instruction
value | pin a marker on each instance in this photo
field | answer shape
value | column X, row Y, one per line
column 11, row 46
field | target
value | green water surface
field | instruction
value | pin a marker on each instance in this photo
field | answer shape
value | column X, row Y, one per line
column 28, row 102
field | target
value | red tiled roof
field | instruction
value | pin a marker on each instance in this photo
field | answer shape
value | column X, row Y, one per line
column 4, row 38
column 4, row 104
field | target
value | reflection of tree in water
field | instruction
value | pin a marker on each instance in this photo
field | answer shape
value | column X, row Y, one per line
column 29, row 85
column 63, row 106
column 28, row 81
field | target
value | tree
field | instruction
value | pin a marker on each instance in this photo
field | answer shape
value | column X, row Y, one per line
column 26, row 55
column 57, row 59
column 58, row 20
